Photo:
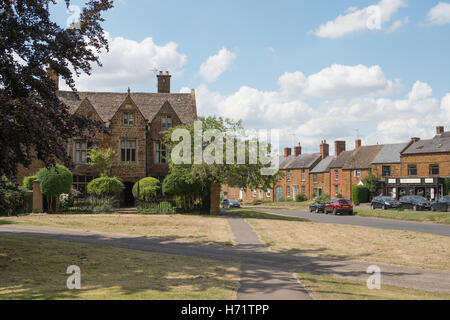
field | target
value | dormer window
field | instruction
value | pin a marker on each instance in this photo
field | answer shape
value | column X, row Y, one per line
column 166, row 123
column 128, row 119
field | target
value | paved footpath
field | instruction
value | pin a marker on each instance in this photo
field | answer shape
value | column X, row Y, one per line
column 379, row 223
column 252, row 256
column 262, row 282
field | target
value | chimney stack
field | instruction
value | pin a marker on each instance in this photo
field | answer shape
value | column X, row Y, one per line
column 164, row 82
column 54, row 76
column 440, row 130
column 339, row 147
column 358, row 143
column 298, row 150
column 415, row 139
column 287, row 152
column 324, row 149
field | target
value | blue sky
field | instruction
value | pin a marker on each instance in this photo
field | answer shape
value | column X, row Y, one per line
column 339, row 74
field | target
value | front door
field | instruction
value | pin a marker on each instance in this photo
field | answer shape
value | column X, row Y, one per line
column 294, row 192
column 279, row 193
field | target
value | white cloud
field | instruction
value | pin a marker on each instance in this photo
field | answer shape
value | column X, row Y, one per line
column 379, row 119
column 397, row 24
column 357, row 20
column 129, row 63
column 440, row 14
column 217, row 64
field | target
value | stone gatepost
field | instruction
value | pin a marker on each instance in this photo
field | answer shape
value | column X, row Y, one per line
column 215, row 198
column 38, row 199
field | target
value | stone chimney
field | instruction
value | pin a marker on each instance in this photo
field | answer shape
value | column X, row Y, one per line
column 298, row 150
column 164, row 82
column 324, row 149
column 440, row 130
column 358, row 143
column 287, row 152
column 339, row 147
column 54, row 76
column 415, row 139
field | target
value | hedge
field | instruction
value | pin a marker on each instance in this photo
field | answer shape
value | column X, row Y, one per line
column 148, row 189
column 105, row 186
column 360, row 194
column 28, row 182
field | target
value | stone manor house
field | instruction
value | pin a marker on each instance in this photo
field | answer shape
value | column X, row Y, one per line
column 136, row 121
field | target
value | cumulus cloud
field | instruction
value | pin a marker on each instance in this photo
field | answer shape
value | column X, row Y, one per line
column 217, row 64
column 380, row 119
column 129, row 63
column 357, row 20
column 440, row 14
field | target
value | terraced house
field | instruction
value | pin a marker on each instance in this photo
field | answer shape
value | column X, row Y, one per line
column 136, row 121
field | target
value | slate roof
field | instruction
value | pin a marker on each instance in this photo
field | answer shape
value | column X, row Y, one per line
column 303, row 161
column 323, row 166
column 362, row 157
column 107, row 103
column 390, row 153
column 341, row 159
column 439, row 144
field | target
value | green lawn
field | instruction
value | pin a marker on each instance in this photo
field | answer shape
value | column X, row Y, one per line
column 421, row 216
column 35, row 268
column 327, row 287
column 253, row 214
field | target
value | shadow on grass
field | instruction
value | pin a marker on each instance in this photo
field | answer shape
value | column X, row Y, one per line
column 253, row 214
column 5, row 222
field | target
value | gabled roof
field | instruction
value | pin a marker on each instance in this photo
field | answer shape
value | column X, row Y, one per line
column 323, row 166
column 341, row 159
column 362, row 157
column 390, row 153
column 107, row 103
column 439, row 144
column 303, row 161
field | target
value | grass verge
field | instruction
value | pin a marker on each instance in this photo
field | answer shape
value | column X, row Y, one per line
column 177, row 227
column 327, row 287
column 35, row 268
column 254, row 214
column 397, row 247
column 420, row 216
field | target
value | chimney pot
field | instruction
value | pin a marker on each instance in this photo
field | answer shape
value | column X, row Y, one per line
column 358, row 143
column 324, row 149
column 440, row 130
column 298, row 150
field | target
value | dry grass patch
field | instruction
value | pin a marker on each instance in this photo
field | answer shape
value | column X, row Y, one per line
column 326, row 287
column 180, row 228
column 35, row 268
column 355, row 243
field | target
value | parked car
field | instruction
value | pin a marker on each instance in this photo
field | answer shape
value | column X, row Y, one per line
column 384, row 203
column 317, row 207
column 339, row 206
column 442, row 204
column 415, row 203
column 230, row 203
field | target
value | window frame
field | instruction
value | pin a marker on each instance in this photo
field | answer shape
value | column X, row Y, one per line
column 336, row 175
column 126, row 115
column 433, row 166
column 164, row 119
column 315, row 178
column 412, row 167
column 383, row 171
column 124, row 154
column 357, row 173
column 161, row 148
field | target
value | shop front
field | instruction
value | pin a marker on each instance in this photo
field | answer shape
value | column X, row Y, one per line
column 430, row 188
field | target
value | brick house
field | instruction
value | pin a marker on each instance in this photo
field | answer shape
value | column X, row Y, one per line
column 424, row 165
column 136, row 121
column 319, row 179
column 296, row 169
column 335, row 168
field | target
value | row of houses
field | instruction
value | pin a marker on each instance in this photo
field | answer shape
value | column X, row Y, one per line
column 417, row 167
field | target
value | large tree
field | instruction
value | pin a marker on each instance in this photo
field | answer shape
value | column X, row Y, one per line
column 248, row 174
column 33, row 121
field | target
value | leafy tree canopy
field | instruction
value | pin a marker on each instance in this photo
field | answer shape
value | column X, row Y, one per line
column 102, row 160
column 33, row 121
column 55, row 181
column 148, row 189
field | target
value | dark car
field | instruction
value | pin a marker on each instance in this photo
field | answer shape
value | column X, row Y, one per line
column 317, row 207
column 415, row 203
column 339, row 206
column 384, row 203
column 230, row 203
column 442, row 204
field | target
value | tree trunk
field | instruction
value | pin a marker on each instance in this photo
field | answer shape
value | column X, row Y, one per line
column 214, row 202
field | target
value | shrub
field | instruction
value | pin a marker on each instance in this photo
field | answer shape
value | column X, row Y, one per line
column 148, row 189
column 157, row 208
column 360, row 194
column 93, row 204
column 12, row 198
column 105, row 186
column 285, row 200
column 301, row 197
column 54, row 181
column 339, row 196
column 323, row 198
column 28, row 182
